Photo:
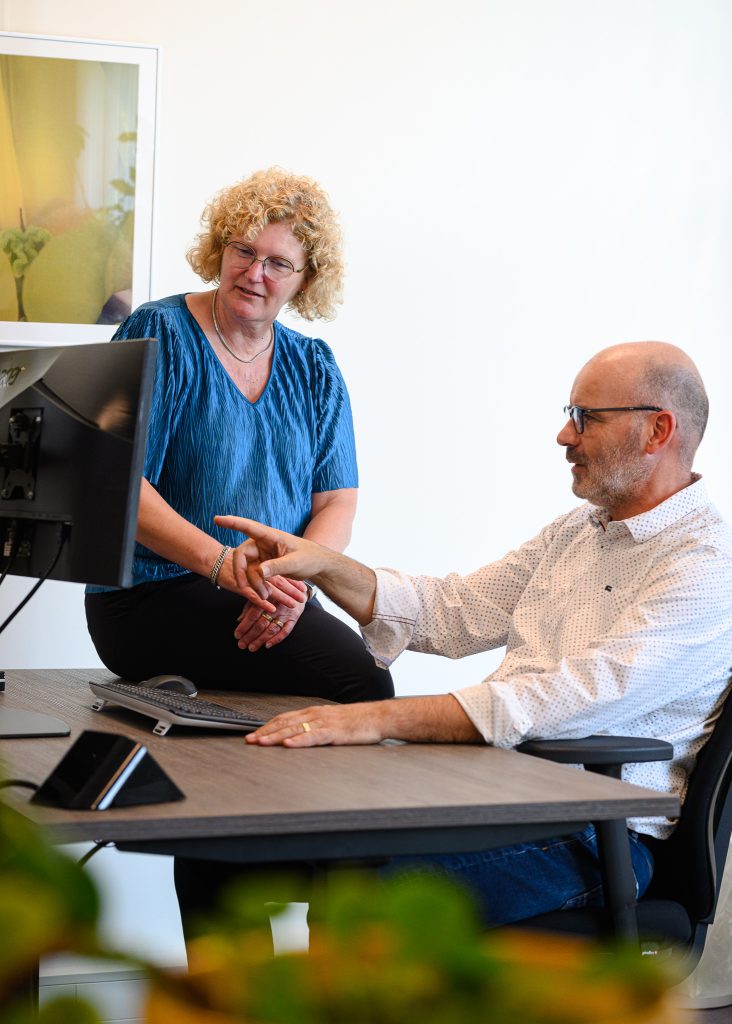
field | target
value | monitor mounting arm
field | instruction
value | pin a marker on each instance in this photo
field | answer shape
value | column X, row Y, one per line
column 19, row 455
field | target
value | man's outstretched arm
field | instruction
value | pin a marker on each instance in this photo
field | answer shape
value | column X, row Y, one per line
column 438, row 719
column 270, row 552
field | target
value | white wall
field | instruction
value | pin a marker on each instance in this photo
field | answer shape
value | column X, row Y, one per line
column 521, row 182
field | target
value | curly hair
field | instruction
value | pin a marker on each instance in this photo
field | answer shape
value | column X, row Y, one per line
column 270, row 197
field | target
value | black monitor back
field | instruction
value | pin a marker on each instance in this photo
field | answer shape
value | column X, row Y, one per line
column 73, row 428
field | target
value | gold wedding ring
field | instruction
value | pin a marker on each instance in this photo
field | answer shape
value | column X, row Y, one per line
column 279, row 622
column 264, row 615
column 305, row 726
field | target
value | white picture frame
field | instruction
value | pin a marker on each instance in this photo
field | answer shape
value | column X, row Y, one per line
column 97, row 105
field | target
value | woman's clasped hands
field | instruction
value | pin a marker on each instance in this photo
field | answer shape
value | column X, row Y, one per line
column 275, row 600
column 258, row 627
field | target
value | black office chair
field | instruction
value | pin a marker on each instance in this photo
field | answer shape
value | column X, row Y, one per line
column 680, row 903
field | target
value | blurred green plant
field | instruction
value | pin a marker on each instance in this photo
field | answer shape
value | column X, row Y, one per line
column 21, row 246
column 404, row 949
column 81, row 268
column 382, row 951
column 125, row 187
column 48, row 904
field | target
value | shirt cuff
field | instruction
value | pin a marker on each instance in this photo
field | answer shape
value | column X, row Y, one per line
column 472, row 708
column 499, row 718
column 395, row 613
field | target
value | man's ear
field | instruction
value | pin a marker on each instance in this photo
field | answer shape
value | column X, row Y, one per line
column 664, row 428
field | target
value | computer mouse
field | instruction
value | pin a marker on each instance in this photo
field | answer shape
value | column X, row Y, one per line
column 176, row 684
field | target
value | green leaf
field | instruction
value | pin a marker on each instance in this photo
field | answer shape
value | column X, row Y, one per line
column 122, row 186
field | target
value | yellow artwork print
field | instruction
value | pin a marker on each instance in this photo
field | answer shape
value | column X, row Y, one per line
column 68, row 147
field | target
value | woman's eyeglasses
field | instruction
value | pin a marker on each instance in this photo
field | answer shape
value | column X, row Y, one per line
column 276, row 268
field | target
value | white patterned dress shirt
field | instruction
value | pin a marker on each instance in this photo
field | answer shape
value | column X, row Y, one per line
column 610, row 627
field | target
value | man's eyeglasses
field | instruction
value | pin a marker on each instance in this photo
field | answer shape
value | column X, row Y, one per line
column 276, row 268
column 577, row 413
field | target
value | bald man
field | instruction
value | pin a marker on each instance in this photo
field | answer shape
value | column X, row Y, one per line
column 617, row 618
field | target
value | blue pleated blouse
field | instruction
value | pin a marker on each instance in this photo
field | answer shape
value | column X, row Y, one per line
column 212, row 452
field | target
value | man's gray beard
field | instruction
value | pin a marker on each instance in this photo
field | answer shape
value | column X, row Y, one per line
column 621, row 475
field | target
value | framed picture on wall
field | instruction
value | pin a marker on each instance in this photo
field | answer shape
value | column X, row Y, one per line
column 77, row 151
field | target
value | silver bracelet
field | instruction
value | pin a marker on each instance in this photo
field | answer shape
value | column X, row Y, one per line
column 311, row 589
column 216, row 567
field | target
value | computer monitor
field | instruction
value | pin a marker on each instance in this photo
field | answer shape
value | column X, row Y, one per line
column 73, row 427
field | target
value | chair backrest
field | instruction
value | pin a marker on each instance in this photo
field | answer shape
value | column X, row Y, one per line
column 690, row 863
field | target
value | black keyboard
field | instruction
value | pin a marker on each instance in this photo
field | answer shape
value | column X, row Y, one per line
column 171, row 708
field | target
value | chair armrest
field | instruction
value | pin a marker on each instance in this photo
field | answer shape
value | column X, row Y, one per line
column 599, row 750
column 606, row 755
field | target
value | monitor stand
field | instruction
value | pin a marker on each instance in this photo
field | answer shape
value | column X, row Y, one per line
column 19, row 724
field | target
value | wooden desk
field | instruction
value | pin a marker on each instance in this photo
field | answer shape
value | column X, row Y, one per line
column 249, row 803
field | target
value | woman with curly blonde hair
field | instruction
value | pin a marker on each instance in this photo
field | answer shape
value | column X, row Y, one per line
column 252, row 418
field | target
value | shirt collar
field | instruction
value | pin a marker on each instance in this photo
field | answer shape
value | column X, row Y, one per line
column 648, row 524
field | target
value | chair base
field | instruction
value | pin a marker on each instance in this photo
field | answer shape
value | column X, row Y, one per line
column 655, row 918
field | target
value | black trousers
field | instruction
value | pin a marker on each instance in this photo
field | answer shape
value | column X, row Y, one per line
column 186, row 626
column 202, row 888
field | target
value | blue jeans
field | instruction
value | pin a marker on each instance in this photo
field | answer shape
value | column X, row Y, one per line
column 511, row 883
